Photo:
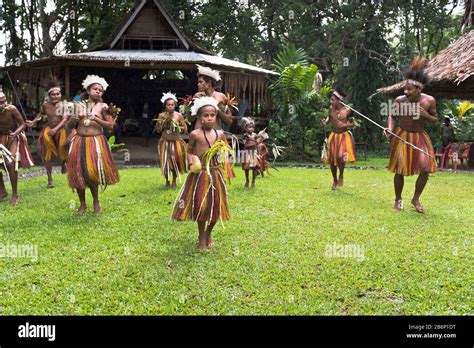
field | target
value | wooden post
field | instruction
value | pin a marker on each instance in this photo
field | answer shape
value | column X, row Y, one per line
column 66, row 80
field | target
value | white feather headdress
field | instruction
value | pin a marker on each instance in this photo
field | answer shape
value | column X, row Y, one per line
column 200, row 102
column 204, row 70
column 246, row 121
column 92, row 79
column 167, row 96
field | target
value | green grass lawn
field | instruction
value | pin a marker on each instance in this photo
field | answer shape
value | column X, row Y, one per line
column 271, row 258
column 374, row 162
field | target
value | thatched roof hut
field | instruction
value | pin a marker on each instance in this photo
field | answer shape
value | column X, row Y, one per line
column 146, row 54
column 451, row 72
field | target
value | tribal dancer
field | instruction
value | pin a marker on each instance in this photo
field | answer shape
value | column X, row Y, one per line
column 14, row 149
column 171, row 148
column 416, row 109
column 262, row 153
column 52, row 139
column 249, row 153
column 207, row 82
column 341, row 146
column 203, row 197
column 90, row 162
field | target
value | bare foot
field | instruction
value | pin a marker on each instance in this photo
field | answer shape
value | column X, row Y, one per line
column 340, row 182
column 80, row 211
column 210, row 243
column 173, row 185
column 50, row 185
column 3, row 195
column 203, row 247
column 398, row 205
column 419, row 208
column 168, row 184
column 14, row 201
column 246, row 184
column 97, row 209
column 253, row 186
column 334, row 185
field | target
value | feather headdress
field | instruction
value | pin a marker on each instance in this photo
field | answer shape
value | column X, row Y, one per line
column 200, row 102
column 245, row 121
column 92, row 79
column 415, row 73
column 204, row 70
column 167, row 96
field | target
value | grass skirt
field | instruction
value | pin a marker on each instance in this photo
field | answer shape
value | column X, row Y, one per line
column 90, row 163
column 203, row 197
column 341, row 149
column 405, row 160
column 18, row 146
column 52, row 147
column 172, row 155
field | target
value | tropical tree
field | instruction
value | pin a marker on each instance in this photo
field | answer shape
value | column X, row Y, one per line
column 299, row 105
column 462, row 117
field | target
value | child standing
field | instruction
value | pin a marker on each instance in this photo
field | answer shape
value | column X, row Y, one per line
column 249, row 160
column 203, row 197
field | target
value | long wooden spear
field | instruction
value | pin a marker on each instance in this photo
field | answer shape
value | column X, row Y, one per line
column 386, row 130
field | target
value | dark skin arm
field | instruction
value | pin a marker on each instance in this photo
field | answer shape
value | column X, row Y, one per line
column 36, row 119
column 350, row 119
column 159, row 123
column 182, row 125
column 327, row 119
column 391, row 122
column 190, row 147
column 430, row 115
column 108, row 121
column 20, row 121
column 60, row 125
column 79, row 112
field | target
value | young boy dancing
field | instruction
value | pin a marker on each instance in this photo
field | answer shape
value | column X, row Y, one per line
column 341, row 146
column 52, row 140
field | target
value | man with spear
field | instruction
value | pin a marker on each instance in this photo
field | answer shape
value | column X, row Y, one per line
column 411, row 149
column 406, row 160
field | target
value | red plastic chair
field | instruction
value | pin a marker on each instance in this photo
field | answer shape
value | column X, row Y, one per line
column 464, row 155
column 452, row 152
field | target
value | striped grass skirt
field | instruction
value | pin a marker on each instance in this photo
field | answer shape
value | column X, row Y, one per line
column 52, row 147
column 405, row 160
column 90, row 163
column 172, row 154
column 341, row 149
column 18, row 146
column 203, row 197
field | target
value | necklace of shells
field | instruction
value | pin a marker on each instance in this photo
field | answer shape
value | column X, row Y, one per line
column 90, row 116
